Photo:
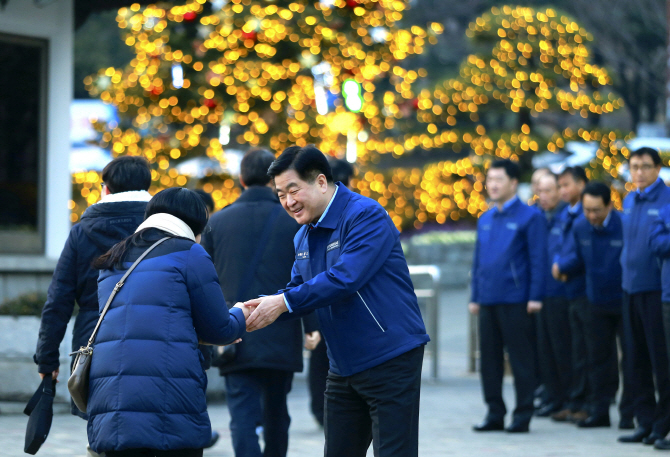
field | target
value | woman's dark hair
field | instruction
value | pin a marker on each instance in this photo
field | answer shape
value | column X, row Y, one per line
column 651, row 152
column 177, row 201
column 254, row 167
column 207, row 199
column 127, row 173
column 512, row 169
column 307, row 161
column 598, row 189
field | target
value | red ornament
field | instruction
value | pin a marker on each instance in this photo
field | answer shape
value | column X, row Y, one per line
column 157, row 90
column 209, row 103
column 352, row 3
column 250, row 35
column 190, row 16
column 415, row 103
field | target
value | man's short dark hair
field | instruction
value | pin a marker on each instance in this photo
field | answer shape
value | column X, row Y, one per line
column 342, row 171
column 254, row 167
column 512, row 169
column 127, row 173
column 651, row 152
column 598, row 189
column 307, row 161
column 207, row 199
column 578, row 174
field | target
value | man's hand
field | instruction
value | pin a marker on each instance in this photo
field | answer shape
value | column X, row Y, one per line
column 312, row 340
column 54, row 375
column 556, row 272
column 266, row 310
column 534, row 306
column 245, row 309
column 473, row 308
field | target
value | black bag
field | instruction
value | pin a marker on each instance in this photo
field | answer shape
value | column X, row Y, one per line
column 223, row 355
column 40, row 410
column 78, row 382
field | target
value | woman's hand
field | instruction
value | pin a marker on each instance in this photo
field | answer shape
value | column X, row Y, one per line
column 245, row 309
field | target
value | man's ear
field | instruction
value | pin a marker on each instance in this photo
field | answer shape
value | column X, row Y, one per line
column 105, row 191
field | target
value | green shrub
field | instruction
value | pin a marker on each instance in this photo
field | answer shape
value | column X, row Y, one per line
column 29, row 304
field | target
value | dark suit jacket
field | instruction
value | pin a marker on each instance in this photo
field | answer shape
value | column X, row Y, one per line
column 232, row 243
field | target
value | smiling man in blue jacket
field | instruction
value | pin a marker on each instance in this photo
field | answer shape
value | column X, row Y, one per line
column 508, row 286
column 350, row 268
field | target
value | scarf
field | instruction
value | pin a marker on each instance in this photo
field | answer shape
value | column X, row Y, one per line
column 167, row 223
column 130, row 196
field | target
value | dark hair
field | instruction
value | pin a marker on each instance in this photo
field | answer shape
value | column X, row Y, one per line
column 577, row 173
column 342, row 171
column 206, row 199
column 177, row 201
column 598, row 189
column 651, row 152
column 307, row 161
column 511, row 168
column 254, row 167
column 127, row 173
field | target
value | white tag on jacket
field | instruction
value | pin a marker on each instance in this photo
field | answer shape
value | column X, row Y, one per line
column 333, row 245
column 302, row 255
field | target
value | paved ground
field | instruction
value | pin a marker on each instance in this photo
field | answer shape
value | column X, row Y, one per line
column 449, row 408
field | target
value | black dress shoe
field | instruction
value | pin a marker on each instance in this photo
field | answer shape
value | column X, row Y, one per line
column 652, row 438
column 638, row 435
column 547, row 410
column 518, row 427
column 662, row 445
column 489, row 426
column 595, row 421
column 626, row 424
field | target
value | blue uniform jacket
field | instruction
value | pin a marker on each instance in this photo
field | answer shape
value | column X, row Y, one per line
column 147, row 382
column 554, row 244
column 641, row 267
column 575, row 287
column 510, row 258
column 351, row 269
column 659, row 241
column 597, row 251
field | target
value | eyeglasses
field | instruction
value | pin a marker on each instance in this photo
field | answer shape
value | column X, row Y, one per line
column 644, row 167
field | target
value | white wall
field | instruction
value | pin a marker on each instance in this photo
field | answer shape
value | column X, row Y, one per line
column 53, row 22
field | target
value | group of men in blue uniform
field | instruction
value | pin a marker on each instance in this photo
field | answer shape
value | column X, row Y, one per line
column 559, row 282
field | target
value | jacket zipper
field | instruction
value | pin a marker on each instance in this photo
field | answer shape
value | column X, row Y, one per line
column 369, row 311
column 516, row 281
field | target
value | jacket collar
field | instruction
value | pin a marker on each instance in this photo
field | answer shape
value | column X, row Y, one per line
column 652, row 192
column 336, row 207
column 507, row 207
column 257, row 193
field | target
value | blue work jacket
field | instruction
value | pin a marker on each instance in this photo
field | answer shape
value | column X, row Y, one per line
column 575, row 287
column 659, row 241
column 510, row 258
column 641, row 267
column 554, row 243
column 351, row 269
column 597, row 251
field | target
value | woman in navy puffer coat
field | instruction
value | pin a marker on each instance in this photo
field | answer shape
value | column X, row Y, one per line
column 147, row 384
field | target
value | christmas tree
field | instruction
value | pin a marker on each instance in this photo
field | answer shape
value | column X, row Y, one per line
column 214, row 75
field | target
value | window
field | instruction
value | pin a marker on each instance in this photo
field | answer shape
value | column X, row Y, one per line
column 23, row 80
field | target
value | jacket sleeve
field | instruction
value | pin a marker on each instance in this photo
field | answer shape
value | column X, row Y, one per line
column 58, row 308
column 365, row 247
column 213, row 322
column 474, row 294
column 537, row 250
column 659, row 236
column 571, row 262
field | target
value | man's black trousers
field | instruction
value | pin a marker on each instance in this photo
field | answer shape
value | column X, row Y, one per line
column 554, row 347
column 258, row 397
column 579, row 321
column 603, row 328
column 647, row 359
column 378, row 405
column 317, row 374
column 507, row 326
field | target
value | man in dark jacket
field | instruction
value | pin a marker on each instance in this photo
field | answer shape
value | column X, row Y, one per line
column 125, row 182
column 596, row 245
column 250, row 244
column 350, row 268
column 508, row 286
column 642, row 308
column 553, row 321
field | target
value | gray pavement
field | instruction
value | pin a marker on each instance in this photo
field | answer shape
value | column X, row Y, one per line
column 449, row 407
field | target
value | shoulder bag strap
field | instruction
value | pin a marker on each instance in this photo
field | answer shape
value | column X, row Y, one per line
column 119, row 284
column 249, row 274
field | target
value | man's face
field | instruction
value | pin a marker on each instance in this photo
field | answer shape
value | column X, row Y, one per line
column 303, row 201
column 547, row 191
column 499, row 186
column 535, row 180
column 595, row 209
column 643, row 172
column 569, row 189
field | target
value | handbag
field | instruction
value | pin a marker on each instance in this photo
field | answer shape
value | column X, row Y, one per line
column 40, row 408
column 79, row 379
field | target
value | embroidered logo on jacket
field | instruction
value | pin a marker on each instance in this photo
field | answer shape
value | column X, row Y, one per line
column 333, row 245
column 302, row 255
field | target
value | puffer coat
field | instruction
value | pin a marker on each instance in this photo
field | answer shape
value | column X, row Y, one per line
column 147, row 383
